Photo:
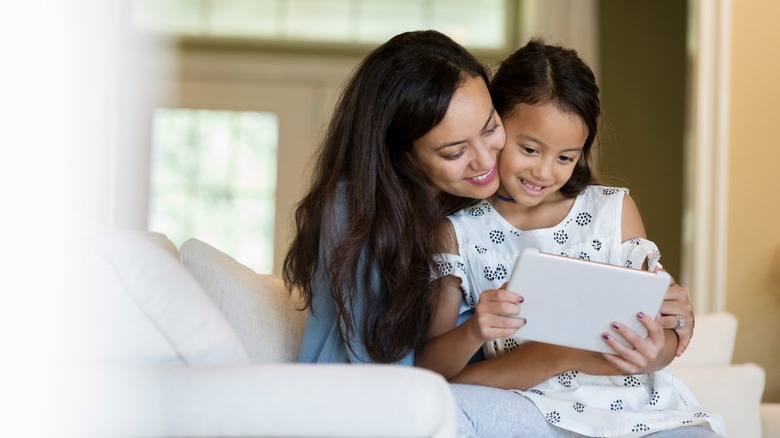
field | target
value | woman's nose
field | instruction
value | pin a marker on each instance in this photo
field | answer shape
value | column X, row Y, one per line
column 484, row 158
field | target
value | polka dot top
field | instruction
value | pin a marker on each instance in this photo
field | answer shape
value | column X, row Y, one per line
column 488, row 245
column 620, row 405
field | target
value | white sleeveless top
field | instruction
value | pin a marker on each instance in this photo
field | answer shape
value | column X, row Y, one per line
column 635, row 405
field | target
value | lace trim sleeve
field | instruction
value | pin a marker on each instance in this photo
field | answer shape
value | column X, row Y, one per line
column 637, row 250
column 453, row 264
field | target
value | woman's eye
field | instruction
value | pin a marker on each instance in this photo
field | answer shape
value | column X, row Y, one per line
column 528, row 150
column 566, row 159
column 492, row 129
column 454, row 156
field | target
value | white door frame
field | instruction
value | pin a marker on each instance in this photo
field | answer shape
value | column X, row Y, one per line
column 704, row 269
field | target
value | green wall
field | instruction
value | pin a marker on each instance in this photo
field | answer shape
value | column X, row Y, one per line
column 643, row 83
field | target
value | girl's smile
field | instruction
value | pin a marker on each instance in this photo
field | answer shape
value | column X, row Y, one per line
column 543, row 146
column 532, row 189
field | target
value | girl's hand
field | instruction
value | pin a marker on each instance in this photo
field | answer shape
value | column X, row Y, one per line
column 646, row 353
column 676, row 304
column 497, row 314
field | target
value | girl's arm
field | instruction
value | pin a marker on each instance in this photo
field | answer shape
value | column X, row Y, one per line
column 450, row 346
column 660, row 346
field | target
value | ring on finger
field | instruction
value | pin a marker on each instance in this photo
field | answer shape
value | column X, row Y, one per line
column 680, row 321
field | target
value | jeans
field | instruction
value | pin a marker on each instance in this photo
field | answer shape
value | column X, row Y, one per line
column 496, row 413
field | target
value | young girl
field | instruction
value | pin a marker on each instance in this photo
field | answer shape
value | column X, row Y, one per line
column 549, row 199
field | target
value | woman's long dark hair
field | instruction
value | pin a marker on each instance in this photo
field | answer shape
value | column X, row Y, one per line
column 398, row 93
column 539, row 73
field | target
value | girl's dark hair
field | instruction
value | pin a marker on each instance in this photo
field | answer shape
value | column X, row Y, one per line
column 539, row 73
column 398, row 94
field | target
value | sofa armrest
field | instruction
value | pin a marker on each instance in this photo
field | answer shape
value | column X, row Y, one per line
column 770, row 420
column 290, row 400
column 733, row 391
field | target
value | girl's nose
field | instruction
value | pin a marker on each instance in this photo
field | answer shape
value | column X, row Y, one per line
column 543, row 170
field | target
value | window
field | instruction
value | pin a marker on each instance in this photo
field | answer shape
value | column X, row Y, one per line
column 213, row 177
column 473, row 23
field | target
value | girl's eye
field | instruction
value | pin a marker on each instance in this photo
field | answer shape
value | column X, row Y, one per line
column 528, row 150
column 566, row 159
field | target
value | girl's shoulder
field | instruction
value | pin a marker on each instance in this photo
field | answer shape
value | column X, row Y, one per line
column 479, row 216
column 476, row 212
column 599, row 194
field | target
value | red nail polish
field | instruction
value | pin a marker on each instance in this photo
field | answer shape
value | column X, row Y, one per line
column 605, row 336
column 520, row 299
column 640, row 315
column 615, row 325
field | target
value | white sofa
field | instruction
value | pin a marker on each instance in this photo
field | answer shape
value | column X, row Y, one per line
column 197, row 345
column 204, row 348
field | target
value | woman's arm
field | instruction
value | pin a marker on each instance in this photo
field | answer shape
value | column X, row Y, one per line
column 528, row 365
column 534, row 362
column 676, row 302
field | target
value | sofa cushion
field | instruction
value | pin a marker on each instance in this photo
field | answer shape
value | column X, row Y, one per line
column 148, row 308
column 712, row 344
column 734, row 392
column 258, row 306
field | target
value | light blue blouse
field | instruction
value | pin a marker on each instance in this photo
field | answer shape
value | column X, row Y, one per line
column 322, row 340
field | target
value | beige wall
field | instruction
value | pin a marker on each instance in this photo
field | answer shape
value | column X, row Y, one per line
column 753, row 260
column 643, row 74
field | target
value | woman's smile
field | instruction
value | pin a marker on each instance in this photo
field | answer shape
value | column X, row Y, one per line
column 485, row 178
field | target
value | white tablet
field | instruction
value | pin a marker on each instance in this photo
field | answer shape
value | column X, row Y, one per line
column 572, row 302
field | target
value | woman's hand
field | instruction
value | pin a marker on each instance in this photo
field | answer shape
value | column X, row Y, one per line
column 677, row 315
column 497, row 314
column 645, row 354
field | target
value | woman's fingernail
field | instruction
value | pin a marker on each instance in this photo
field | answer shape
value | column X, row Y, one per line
column 605, row 336
column 615, row 326
column 520, row 299
column 640, row 315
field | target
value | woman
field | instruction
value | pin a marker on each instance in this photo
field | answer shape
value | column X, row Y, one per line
column 414, row 137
